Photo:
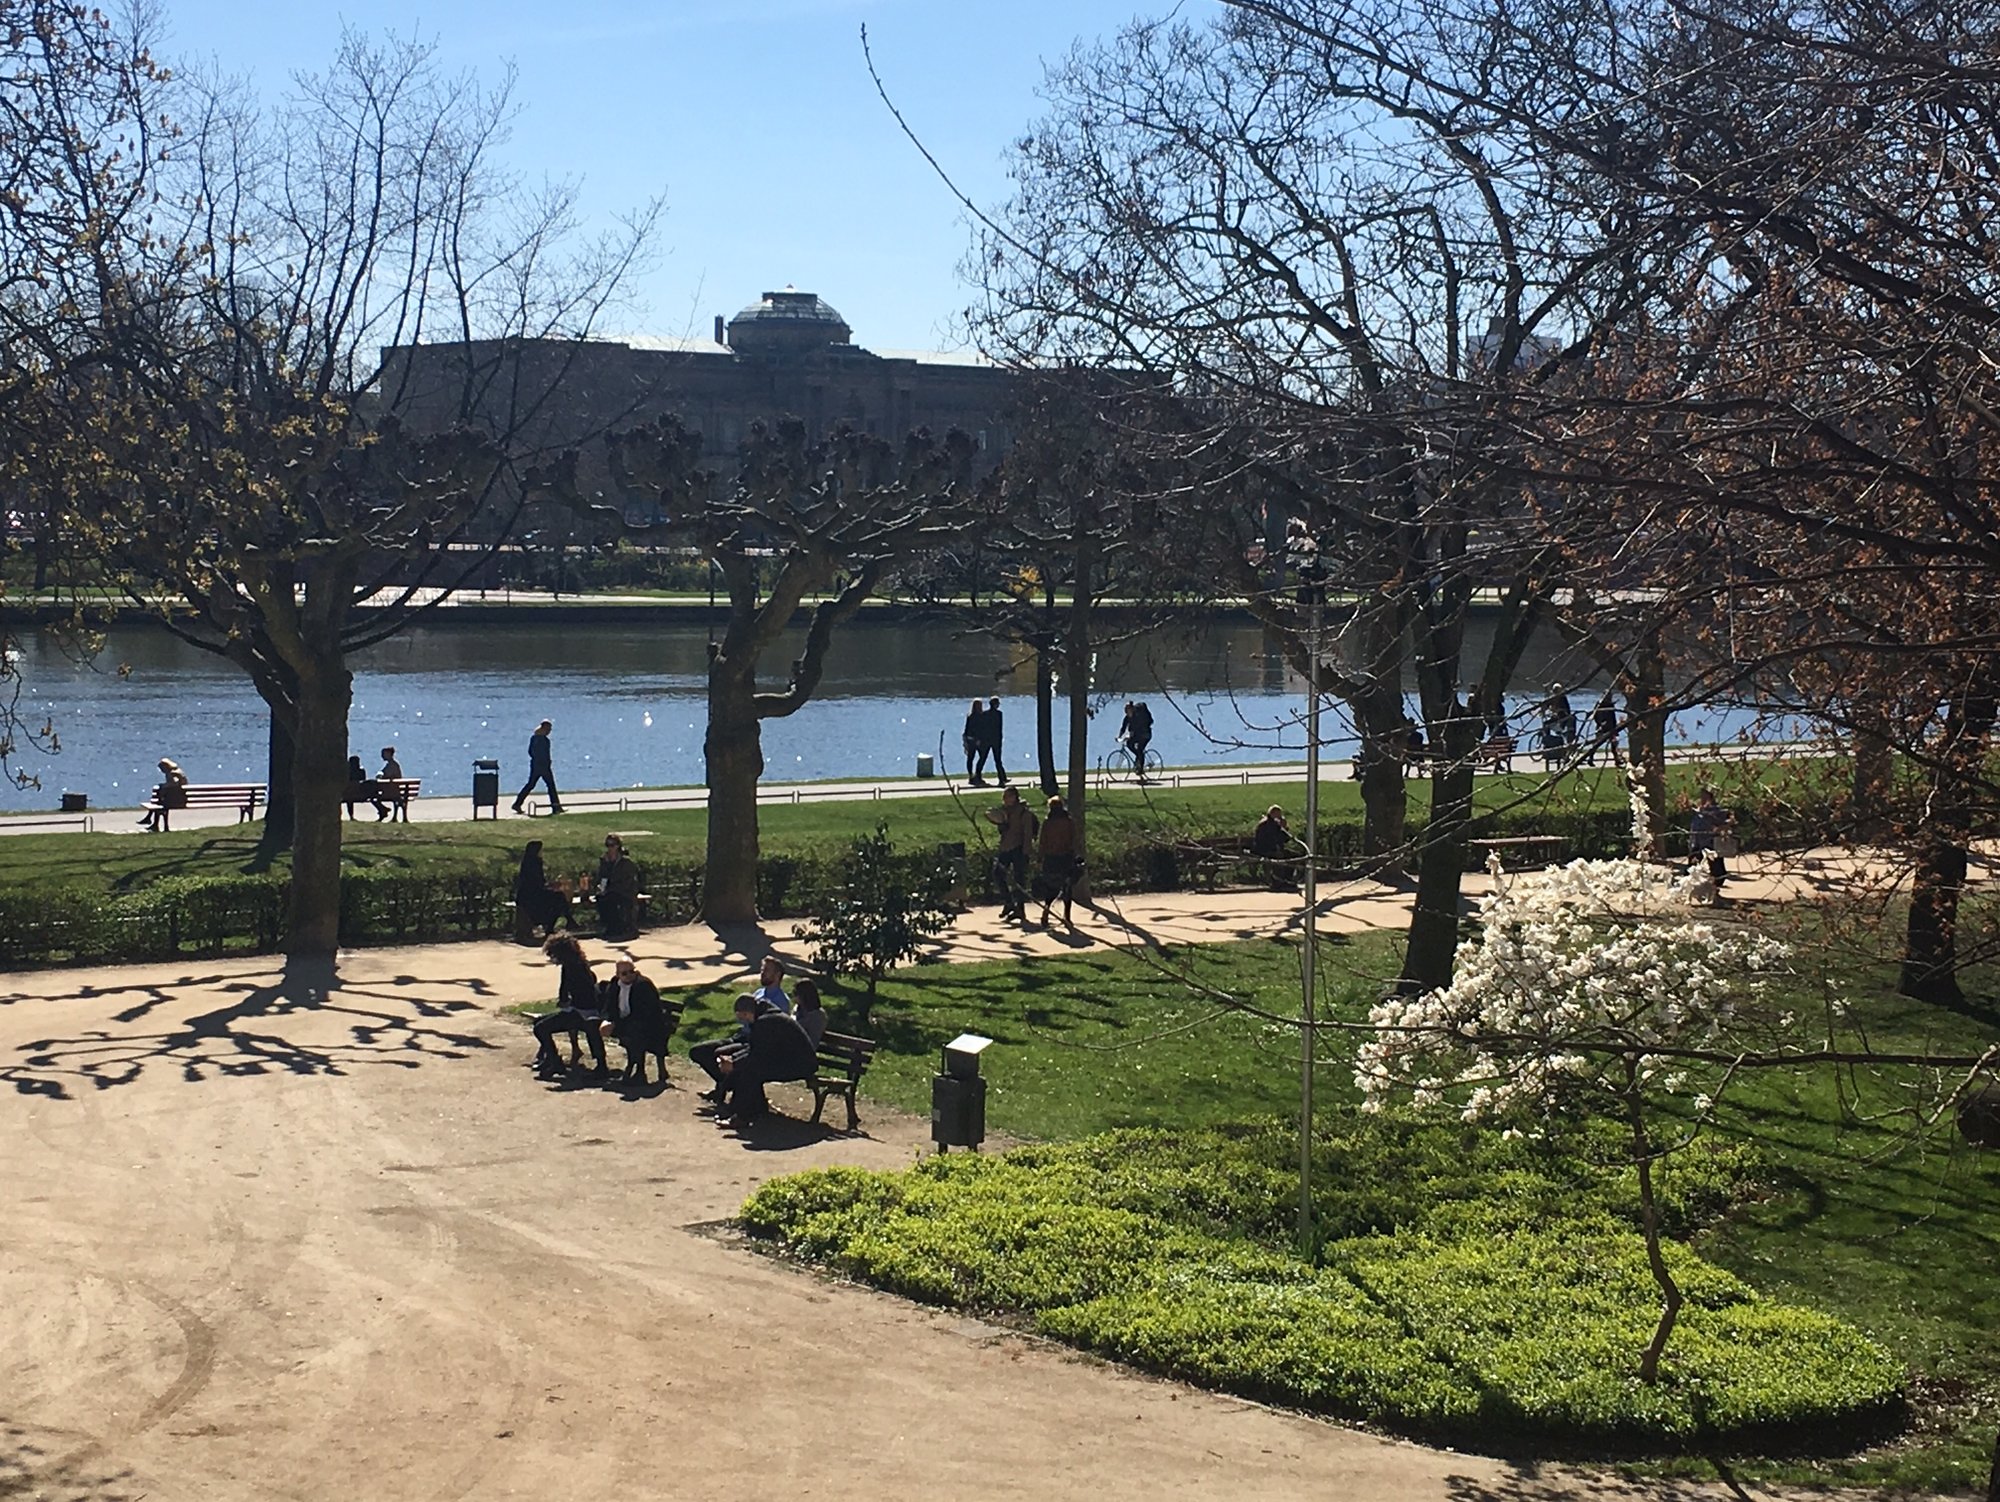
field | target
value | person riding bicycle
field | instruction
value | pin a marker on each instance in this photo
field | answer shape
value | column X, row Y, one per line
column 1135, row 732
column 1558, row 720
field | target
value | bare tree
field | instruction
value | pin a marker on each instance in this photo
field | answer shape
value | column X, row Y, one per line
column 280, row 492
column 800, row 517
column 1345, row 267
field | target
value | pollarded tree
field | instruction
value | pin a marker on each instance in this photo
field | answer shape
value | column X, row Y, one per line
column 799, row 517
column 280, row 494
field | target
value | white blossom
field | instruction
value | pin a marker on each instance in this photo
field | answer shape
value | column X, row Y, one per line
column 1592, row 975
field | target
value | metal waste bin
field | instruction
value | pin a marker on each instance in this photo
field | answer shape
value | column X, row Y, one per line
column 486, row 787
column 926, row 766
column 75, row 803
column 958, row 1095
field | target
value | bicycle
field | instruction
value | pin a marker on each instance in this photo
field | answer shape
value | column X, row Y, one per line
column 1122, row 765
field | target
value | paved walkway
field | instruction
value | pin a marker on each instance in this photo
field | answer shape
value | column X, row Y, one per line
column 458, row 806
column 272, row 1235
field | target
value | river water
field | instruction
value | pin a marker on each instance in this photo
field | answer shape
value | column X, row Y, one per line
column 627, row 701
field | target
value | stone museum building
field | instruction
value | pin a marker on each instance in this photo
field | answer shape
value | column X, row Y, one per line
column 789, row 354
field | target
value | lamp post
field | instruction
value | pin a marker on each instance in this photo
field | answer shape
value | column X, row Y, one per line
column 1312, row 597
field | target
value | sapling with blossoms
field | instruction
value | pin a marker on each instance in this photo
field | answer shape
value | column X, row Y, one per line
column 1588, row 981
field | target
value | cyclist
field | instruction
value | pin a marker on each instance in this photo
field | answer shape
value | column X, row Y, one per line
column 1135, row 733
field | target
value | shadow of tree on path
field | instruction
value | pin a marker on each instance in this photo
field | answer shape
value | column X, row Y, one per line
column 266, row 1029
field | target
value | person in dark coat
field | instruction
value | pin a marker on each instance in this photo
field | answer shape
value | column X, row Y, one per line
column 576, row 1008
column 778, row 1049
column 973, row 739
column 360, row 787
column 536, row 903
column 995, row 730
column 541, row 768
column 617, row 891
column 708, row 1057
column 630, row 1004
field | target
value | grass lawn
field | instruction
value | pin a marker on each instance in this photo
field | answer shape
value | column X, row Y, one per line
column 1855, row 1215
column 124, row 862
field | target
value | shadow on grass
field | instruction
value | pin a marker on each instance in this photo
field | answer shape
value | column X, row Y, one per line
column 271, row 1027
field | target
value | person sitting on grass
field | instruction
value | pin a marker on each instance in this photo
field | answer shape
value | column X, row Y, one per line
column 632, row 1013
column 708, row 1057
column 576, row 1009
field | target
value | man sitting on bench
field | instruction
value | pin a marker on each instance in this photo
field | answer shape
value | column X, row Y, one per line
column 778, row 1049
column 708, row 1056
column 633, row 1015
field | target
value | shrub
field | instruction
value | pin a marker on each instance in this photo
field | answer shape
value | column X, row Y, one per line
column 1467, row 1289
column 886, row 911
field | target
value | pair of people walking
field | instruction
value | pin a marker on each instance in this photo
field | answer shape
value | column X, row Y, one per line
column 1053, row 838
column 981, row 739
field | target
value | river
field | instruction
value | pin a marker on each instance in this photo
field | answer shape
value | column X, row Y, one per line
column 627, row 701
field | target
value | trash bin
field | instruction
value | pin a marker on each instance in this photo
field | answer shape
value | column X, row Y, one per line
column 75, row 803
column 926, row 766
column 486, row 787
column 951, row 864
column 958, row 1095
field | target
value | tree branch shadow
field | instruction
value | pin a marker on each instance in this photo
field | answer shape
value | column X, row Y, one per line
column 397, row 1022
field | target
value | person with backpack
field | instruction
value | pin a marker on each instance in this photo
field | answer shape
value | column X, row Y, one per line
column 1018, row 829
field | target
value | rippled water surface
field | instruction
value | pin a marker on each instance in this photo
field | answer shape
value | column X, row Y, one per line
column 628, row 710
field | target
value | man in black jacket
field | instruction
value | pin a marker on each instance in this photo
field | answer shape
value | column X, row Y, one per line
column 634, row 1015
column 541, row 768
column 779, row 1049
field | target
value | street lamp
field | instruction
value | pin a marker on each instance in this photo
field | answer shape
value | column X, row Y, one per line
column 1311, row 572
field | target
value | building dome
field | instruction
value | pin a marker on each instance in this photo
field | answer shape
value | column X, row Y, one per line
column 786, row 323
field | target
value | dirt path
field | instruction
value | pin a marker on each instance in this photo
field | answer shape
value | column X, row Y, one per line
column 264, row 1246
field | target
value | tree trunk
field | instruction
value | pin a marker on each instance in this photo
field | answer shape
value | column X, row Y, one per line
column 1874, row 768
column 280, row 801
column 1646, row 750
column 1993, row 1476
column 734, row 751
column 1045, row 717
column 1076, row 675
column 319, row 778
column 1434, row 917
column 1649, row 1218
column 1385, row 796
column 1930, row 947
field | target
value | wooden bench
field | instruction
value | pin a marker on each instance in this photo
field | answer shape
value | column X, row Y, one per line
column 242, row 796
column 1203, row 861
column 1550, row 847
column 1497, row 752
column 394, row 791
column 843, row 1059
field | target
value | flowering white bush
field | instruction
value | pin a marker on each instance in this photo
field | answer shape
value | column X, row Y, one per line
column 1590, row 975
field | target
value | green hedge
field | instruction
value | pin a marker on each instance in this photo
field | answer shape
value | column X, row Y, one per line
column 1465, row 1288
column 216, row 914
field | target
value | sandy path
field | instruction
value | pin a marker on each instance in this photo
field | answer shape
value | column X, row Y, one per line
column 258, row 1248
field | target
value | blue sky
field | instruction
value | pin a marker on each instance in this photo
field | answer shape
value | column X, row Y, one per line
column 755, row 118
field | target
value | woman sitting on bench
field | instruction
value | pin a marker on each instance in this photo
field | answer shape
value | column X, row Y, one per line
column 170, row 794
column 576, row 1009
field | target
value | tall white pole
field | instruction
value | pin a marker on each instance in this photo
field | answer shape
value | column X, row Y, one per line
column 1311, row 955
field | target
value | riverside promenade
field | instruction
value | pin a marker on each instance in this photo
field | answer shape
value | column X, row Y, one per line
column 439, row 807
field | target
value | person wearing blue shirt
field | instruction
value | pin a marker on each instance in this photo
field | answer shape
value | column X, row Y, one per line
column 769, row 974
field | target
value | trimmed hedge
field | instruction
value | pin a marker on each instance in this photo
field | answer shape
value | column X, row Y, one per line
column 1466, row 1289
column 225, row 913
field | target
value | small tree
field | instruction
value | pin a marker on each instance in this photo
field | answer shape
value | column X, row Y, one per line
column 1587, row 985
column 886, row 913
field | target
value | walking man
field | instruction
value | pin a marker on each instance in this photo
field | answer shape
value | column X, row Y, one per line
column 993, row 739
column 540, row 769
